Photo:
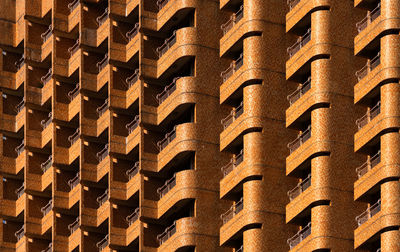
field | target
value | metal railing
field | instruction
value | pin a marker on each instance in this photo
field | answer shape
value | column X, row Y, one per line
column 74, row 181
column 102, row 109
column 74, row 137
column 371, row 64
column 101, row 155
column 102, row 18
column 20, row 63
column 300, row 43
column 74, row 92
column 103, row 198
column 46, row 164
column 300, row 188
column 133, row 32
column 169, row 231
column 20, row 106
column 20, row 233
column 130, row 219
column 47, row 77
column 371, row 114
column 235, row 161
column 46, row 35
column 167, row 139
column 300, row 91
column 103, row 243
column 378, row 250
column 235, row 113
column 133, row 171
column 161, row 3
column 168, row 43
column 233, row 67
column 132, row 125
column 168, row 90
column 234, row 19
column 20, row 191
column 292, row 3
column 369, row 164
column 302, row 138
column 73, row 49
column 74, row 225
column 132, row 79
column 371, row 16
column 20, row 148
column 299, row 236
column 239, row 249
column 47, row 208
column 73, row 5
column 234, row 210
column 46, row 122
column 49, row 248
column 168, row 185
column 369, row 213
column 102, row 63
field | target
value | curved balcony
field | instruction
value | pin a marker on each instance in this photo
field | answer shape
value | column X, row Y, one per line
column 300, row 43
column 93, row 169
column 170, row 9
column 123, row 141
column 67, row 102
column 65, row 64
column 300, row 9
column 38, row 9
column 95, row 31
column 123, row 7
column 124, row 181
column 12, row 75
column 94, row 79
column 67, row 197
column 234, row 162
column 300, row 188
column 125, row 46
column 39, row 136
column 13, row 159
column 369, row 67
column 94, row 123
column 40, row 93
column 124, row 92
column 179, row 235
column 67, row 147
column 67, row 15
column 39, row 51
column 122, row 234
column 300, row 236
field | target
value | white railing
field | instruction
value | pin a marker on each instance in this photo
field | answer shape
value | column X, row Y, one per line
column 73, row 5
column 233, row 67
column 103, row 198
column 47, row 122
column 102, row 63
column 234, row 19
column 302, row 138
column 369, row 213
column 168, row 185
column 168, row 90
column 20, row 106
column 378, row 250
column 74, row 137
column 46, row 164
column 133, row 32
column 130, row 219
column 235, row 113
column 299, row 236
column 46, row 35
column 239, row 249
column 167, row 139
column 301, row 42
column 371, row 16
column 169, row 231
column 161, row 3
column 132, row 79
column 20, row 63
column 371, row 64
column 369, row 164
column 292, row 3
column 73, row 49
column 101, row 19
column 101, row 155
column 20, row 148
column 235, row 161
column 20, row 233
column 300, row 188
column 74, row 225
column 132, row 125
column 102, row 109
column 168, row 43
column 47, row 208
column 74, row 181
column 371, row 114
column 103, row 243
column 300, row 91
column 47, row 77
column 74, row 92
column 133, row 171
column 20, row 191
column 234, row 210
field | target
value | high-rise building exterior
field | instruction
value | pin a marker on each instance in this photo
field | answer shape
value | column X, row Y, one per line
column 199, row 125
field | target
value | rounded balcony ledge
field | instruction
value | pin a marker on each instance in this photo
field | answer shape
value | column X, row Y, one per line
column 123, row 7
column 170, row 8
column 301, row 8
column 186, row 230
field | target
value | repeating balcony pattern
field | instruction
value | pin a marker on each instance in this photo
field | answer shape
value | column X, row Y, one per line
column 232, row 212
column 234, row 19
column 300, row 188
column 371, row 65
column 371, row 16
column 168, row 43
column 371, row 114
column 102, row 18
column 168, row 90
column 301, row 42
column 233, row 67
column 369, row 164
column 302, row 138
column 369, row 213
column 169, row 231
column 236, row 113
column 236, row 161
column 169, row 137
column 169, row 184
column 300, row 91
column 300, row 236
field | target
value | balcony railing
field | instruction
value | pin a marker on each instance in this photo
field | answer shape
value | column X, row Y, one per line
column 133, row 171
column 235, row 161
column 73, row 5
column 20, row 63
column 233, row 67
column 167, row 139
column 20, row 191
column 74, row 181
column 47, row 208
column 45, row 123
column 301, row 42
column 132, row 33
column 371, row 114
column 103, row 198
column 300, row 188
column 73, row 49
column 132, row 79
column 74, row 225
column 369, row 164
column 161, row 3
column 302, row 138
column 20, row 148
column 378, row 250
column 371, row 16
column 46, row 35
column 292, row 3
column 74, row 137
column 234, row 19
column 369, row 213
column 49, row 248
column 103, row 63
column 20, row 106
column 74, row 92
column 132, row 125
column 47, row 77
column 130, row 219
column 101, row 19
column 238, row 111
column 47, row 164
column 20, row 233
column 234, row 210
column 103, row 108
column 168, row 90
column 300, row 91
column 239, row 249
column 299, row 236
column 360, row 74
column 168, row 43
column 103, row 243
column 169, row 231
column 101, row 155
column 168, row 185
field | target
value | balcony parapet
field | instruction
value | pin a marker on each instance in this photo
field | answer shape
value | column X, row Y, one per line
column 301, row 42
column 300, row 91
column 168, row 43
column 169, row 137
column 19, row 234
column 74, row 92
column 369, row 213
column 46, row 122
column 130, row 219
column 235, row 162
column 47, row 34
column 103, row 243
column 101, row 155
column 168, row 90
column 103, row 198
column 103, row 63
column 20, row 191
column 132, row 79
column 133, row 171
column 20, row 148
column 233, row 20
column 72, row 5
column 74, row 225
column 233, row 67
column 74, row 137
column 371, row 65
column 102, row 18
column 47, row 164
column 74, row 181
column 168, row 185
column 161, row 4
column 47, row 208
column 20, row 63
column 300, row 236
column 300, row 188
column 74, row 48
column 103, row 108
column 371, row 114
column 371, row 16
column 133, row 124
column 49, row 248
column 234, row 210
column 133, row 32
column 302, row 138
column 235, row 114
column 169, row 231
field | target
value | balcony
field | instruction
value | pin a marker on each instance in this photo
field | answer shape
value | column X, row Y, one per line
column 94, row 122
column 13, row 199
column 301, row 42
column 168, row 43
column 130, row 219
column 68, row 145
column 235, row 162
column 371, row 114
column 95, row 76
column 125, row 42
column 168, row 185
column 232, row 212
column 169, row 137
column 300, row 236
column 101, row 245
column 13, row 70
column 35, row 50
column 49, row 248
column 124, row 91
column 234, row 19
column 369, row 213
column 124, row 140
column 19, row 234
column 38, row 9
column 13, row 155
column 39, row 93
column 123, row 182
column 67, row 106
column 125, row 227
column 96, row 25
column 292, row 3
column 168, row 90
column 169, row 231
column 95, row 166
column 371, row 16
column 371, row 65
column 235, row 114
column 300, row 188
column 39, row 219
column 233, row 67
column 67, row 61
column 66, row 15
column 40, row 172
column 96, row 206
column 40, row 130
column 300, row 140
column 14, row 113
column 300, row 91
column 67, row 189
column 67, row 231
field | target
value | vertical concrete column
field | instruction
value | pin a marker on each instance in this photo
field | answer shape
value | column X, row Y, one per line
column 253, row 100
column 254, row 153
column 390, row 8
column 252, row 240
column 390, row 241
column 252, row 52
column 390, row 200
